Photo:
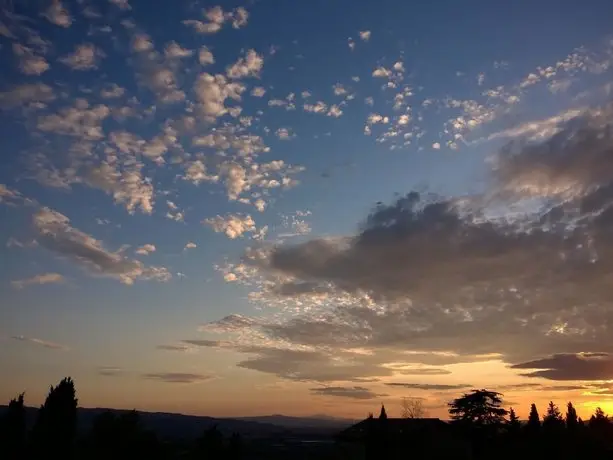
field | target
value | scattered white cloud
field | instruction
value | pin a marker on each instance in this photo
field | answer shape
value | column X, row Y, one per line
column 84, row 57
column 248, row 66
column 215, row 18
column 112, row 91
column 29, row 62
column 233, row 225
column 212, row 92
column 240, row 17
column 365, row 35
column 145, row 250
column 57, row 14
column 339, row 89
column 9, row 196
column 121, row 4
column 318, row 107
column 382, row 72
column 335, row 111
column 205, row 56
column 175, row 51
column 284, row 134
column 26, row 95
column 258, row 91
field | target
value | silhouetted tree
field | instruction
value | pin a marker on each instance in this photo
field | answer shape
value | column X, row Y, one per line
column 114, row 436
column 479, row 407
column 13, row 429
column 413, row 408
column 572, row 421
column 553, row 418
column 534, row 421
column 513, row 424
column 382, row 414
column 235, row 447
column 600, row 427
column 56, row 423
column 210, row 444
column 599, row 420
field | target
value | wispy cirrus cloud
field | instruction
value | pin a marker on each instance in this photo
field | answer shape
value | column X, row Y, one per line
column 346, row 392
column 55, row 234
column 45, row 278
column 177, row 377
column 40, row 342
column 429, row 386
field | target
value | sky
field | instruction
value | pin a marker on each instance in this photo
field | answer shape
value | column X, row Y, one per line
column 294, row 207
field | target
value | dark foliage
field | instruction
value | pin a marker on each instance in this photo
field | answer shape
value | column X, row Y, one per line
column 479, row 431
column 54, row 432
column 479, row 407
column 534, row 421
column 553, row 418
column 513, row 424
column 13, row 428
column 572, row 421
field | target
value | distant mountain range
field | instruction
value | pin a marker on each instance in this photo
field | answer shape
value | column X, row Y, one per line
column 176, row 426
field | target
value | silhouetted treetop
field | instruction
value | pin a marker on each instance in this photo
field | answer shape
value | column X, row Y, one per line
column 480, row 407
column 383, row 413
column 513, row 422
column 553, row 417
column 572, row 420
column 534, row 421
column 13, row 428
column 56, row 422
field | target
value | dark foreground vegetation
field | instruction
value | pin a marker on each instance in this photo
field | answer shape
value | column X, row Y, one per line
column 480, row 428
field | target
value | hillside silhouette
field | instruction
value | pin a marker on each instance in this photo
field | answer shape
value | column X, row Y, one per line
column 479, row 428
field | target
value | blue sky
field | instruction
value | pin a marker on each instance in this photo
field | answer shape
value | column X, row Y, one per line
column 166, row 169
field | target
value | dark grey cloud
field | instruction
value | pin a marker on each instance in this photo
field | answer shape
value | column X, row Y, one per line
column 177, row 377
column 585, row 366
column 563, row 388
column 202, row 342
column 346, row 392
column 519, row 387
column 172, row 347
column 316, row 366
column 572, row 162
column 110, row 371
column 429, row 386
column 230, row 323
column 539, row 387
column 437, row 281
column 424, row 371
